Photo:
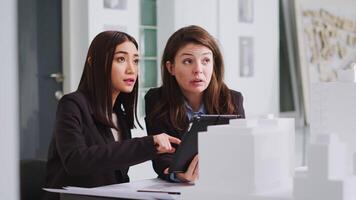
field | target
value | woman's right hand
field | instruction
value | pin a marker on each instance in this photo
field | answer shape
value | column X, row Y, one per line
column 192, row 173
column 163, row 143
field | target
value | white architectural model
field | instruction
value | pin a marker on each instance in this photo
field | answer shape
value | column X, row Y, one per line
column 347, row 75
column 326, row 177
column 333, row 110
column 255, row 160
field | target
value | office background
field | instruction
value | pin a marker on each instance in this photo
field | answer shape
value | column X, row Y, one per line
column 42, row 40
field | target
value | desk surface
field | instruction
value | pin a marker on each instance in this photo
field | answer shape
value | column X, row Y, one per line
column 144, row 189
column 159, row 189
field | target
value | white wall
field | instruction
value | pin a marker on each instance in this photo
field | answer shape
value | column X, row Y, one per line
column 175, row 14
column 127, row 20
column 261, row 91
column 9, row 148
column 220, row 18
column 200, row 12
column 75, row 41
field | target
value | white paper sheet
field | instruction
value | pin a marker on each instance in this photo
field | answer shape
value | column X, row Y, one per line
column 145, row 189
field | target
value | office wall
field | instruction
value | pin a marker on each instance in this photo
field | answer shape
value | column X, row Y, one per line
column 200, row 12
column 9, row 101
column 125, row 19
column 261, row 87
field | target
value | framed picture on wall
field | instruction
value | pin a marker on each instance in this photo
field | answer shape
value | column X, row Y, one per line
column 115, row 4
column 246, row 56
column 245, row 11
column 326, row 47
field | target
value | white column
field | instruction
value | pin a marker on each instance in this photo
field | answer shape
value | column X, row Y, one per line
column 75, row 41
column 9, row 181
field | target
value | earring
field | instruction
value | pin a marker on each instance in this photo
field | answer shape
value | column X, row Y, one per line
column 89, row 61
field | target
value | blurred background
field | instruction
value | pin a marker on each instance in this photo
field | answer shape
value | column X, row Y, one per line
column 273, row 50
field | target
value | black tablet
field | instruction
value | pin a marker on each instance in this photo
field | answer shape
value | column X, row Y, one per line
column 188, row 147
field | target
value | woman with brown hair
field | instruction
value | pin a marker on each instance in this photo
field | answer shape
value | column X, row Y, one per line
column 92, row 143
column 192, row 84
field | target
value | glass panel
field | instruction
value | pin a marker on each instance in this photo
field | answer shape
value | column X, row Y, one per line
column 37, row 60
column 286, row 99
column 149, row 73
column 141, row 104
column 148, row 12
column 149, row 42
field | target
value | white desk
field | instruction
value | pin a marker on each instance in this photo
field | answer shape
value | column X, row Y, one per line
column 130, row 191
column 155, row 189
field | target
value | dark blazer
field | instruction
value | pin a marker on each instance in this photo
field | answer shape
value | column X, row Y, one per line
column 83, row 152
column 155, row 126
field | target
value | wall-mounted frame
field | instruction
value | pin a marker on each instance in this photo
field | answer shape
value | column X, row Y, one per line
column 245, row 11
column 246, row 52
column 118, row 15
column 115, row 4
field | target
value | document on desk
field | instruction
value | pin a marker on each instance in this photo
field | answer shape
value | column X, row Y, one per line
column 113, row 193
column 145, row 189
column 165, row 187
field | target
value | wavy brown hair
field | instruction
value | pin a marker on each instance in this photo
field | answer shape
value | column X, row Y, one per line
column 96, row 79
column 217, row 98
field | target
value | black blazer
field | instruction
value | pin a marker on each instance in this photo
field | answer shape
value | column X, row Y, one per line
column 155, row 126
column 83, row 152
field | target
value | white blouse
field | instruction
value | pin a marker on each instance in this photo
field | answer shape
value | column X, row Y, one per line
column 115, row 133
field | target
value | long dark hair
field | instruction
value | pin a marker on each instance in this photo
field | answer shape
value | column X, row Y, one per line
column 217, row 98
column 96, row 79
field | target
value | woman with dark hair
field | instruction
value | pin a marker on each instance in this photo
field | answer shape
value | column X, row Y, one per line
column 92, row 143
column 192, row 84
